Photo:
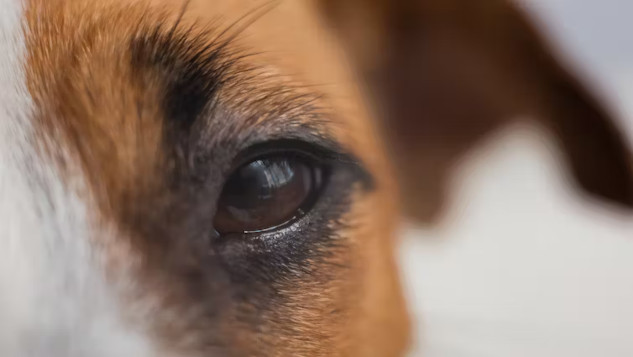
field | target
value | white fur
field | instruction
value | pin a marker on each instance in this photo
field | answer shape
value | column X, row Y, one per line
column 54, row 301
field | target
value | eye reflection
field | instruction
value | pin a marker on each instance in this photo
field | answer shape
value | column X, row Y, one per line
column 266, row 193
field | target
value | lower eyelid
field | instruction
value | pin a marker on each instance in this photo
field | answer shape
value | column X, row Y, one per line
column 290, row 249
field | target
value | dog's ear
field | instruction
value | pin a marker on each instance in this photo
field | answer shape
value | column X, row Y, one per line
column 445, row 73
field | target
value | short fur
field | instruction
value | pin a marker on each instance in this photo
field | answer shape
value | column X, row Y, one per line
column 122, row 120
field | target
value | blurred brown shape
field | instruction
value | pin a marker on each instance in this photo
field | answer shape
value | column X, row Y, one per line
column 444, row 74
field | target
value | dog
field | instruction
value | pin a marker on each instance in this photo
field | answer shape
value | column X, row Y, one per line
column 224, row 178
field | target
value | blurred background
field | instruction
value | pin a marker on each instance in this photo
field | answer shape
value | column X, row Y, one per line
column 521, row 266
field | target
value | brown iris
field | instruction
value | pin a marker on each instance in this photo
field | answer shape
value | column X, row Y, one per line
column 266, row 193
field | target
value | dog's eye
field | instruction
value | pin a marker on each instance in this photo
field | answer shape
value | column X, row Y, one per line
column 268, row 192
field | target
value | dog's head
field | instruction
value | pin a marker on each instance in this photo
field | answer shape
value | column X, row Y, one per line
column 204, row 178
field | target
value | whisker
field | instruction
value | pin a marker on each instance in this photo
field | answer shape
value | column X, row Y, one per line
column 183, row 10
column 244, row 22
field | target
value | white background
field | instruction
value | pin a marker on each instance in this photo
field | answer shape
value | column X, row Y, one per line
column 521, row 265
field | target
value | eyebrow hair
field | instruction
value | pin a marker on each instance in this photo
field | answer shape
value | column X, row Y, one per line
column 193, row 66
column 193, row 70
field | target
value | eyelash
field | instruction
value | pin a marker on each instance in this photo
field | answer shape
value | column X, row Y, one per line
column 314, row 152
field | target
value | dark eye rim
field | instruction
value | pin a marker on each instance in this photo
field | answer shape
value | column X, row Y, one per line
column 319, row 158
column 307, row 150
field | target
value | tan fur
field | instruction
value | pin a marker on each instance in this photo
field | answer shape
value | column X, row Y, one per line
column 87, row 97
column 90, row 97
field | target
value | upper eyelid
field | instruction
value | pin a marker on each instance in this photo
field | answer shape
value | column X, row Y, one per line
column 318, row 148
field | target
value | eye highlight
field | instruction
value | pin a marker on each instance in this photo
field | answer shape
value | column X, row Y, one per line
column 268, row 192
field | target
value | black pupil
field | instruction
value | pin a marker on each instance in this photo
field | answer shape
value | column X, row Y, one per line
column 266, row 193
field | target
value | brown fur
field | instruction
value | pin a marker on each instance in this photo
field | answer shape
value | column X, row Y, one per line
column 90, row 97
column 98, row 90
